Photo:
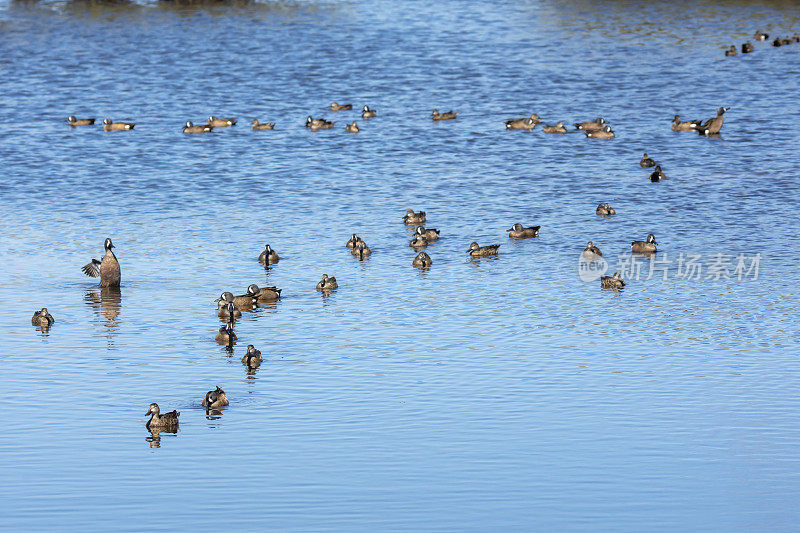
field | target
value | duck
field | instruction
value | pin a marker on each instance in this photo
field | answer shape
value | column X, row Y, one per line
column 264, row 294
column 786, row 41
column 225, row 335
column 430, row 234
column 450, row 115
column 796, row 37
column 647, row 161
column 517, row 231
column 657, row 174
column 227, row 310
column 355, row 239
column 759, row 36
column 482, row 251
column 318, row 124
column 157, row 420
column 747, row 48
column 107, row 269
column 215, row 398
column 605, row 210
column 243, row 301
column 200, row 128
column 731, row 51
column 361, row 250
column 252, row 357
column 558, row 128
column 777, row 42
column 221, row 122
column 109, row 125
column 422, row 260
column 327, row 283
column 366, row 112
column 72, row 121
column 42, row 318
column 525, row 123
column 352, row 127
column 612, row 282
column 594, row 125
column 684, row 125
column 268, row 256
column 418, row 241
column 414, row 218
column 604, row 133
column 340, row 107
column 591, row 251
column 262, row 126
column 645, row 247
column 713, row 125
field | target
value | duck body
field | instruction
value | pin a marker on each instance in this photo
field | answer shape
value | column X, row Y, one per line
column 225, row 335
column 264, row 294
column 612, row 282
column 244, row 301
column 106, row 269
column 558, row 128
column 713, row 125
column 355, row 239
column 252, row 357
column 414, row 218
column 366, row 112
column 315, row 124
column 73, row 121
column 157, row 420
column 517, row 231
column 352, row 127
column 418, row 241
column 190, row 127
column 759, row 36
column 327, row 283
column 450, row 115
column 228, row 310
column 430, row 234
column 747, row 48
column 604, row 133
column 525, row 123
column 220, row 122
column 605, row 210
column 109, row 125
column 341, row 107
column 262, row 126
column 685, row 125
column 591, row 251
column 422, row 260
column 657, row 174
column 483, row 251
column 594, row 125
column 268, row 256
column 647, row 246
column 215, row 398
column 647, row 161
column 361, row 250
column 731, row 51
column 42, row 318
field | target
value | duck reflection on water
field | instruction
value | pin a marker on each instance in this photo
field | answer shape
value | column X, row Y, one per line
column 107, row 302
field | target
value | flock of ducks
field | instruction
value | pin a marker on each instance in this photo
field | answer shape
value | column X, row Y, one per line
column 760, row 36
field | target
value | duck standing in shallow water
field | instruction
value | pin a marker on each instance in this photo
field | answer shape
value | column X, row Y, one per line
column 657, row 174
column 252, row 357
column 450, row 115
column 422, row 260
column 517, row 231
column 42, row 318
column 647, row 161
column 645, row 247
column 684, row 125
column 604, row 210
column 483, row 251
column 107, row 269
column 713, row 125
column 414, row 218
column 327, row 283
column 167, row 421
column 215, row 398
column 268, row 256
column 612, row 282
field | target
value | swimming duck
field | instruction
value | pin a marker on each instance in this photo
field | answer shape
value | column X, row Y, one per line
column 558, row 128
column 612, row 282
column 591, row 251
column 525, row 123
column 167, row 420
column 777, row 42
column 604, row 133
column 657, row 174
column 225, row 335
column 422, row 260
column 243, row 301
column 647, row 161
column 418, row 241
column 430, row 234
column 352, row 127
column 517, row 231
column 252, row 358
column 731, row 51
column 42, row 318
column 605, row 210
column 220, row 122
column 215, row 398
column 268, row 256
column 747, row 48
column 327, row 283
column 200, row 128
column 361, row 250
column 318, row 124
column 227, row 310
column 72, row 121
column 341, row 107
column 713, row 125
column 594, row 125
column 414, row 218
column 108, row 125
column 106, row 269
column 796, row 38
column 645, row 247
column 264, row 294
column 688, row 125
column 481, row 251
column 450, row 115
column 759, row 36
column 262, row 126
column 355, row 239
column 366, row 112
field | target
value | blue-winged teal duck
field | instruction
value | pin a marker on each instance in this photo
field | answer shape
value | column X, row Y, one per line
column 777, row 42
column 262, row 126
column 422, row 260
column 612, row 282
column 591, row 251
column 594, row 125
column 645, row 247
column 269, row 256
column 352, row 127
column 525, row 123
column 747, row 48
column 657, row 174
column 796, row 38
column 243, row 301
column 318, row 124
column 167, row 420
column 361, row 250
column 355, row 239
column 252, row 357
column 220, row 122
column 42, row 318
column 713, row 125
column 759, row 36
column 418, row 241
column 685, row 125
column 450, row 115
column 558, row 128
column 225, row 335
column 647, row 161
column 109, row 125
column 481, row 251
column 605, row 210
column 414, row 218
column 341, row 107
column 604, row 133
column 366, row 112
column 215, row 398
column 226, row 309
column 264, row 294
column 430, row 234
column 199, row 128
column 327, row 283
column 731, row 51
column 72, row 121
column 107, row 269
column 518, row 231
